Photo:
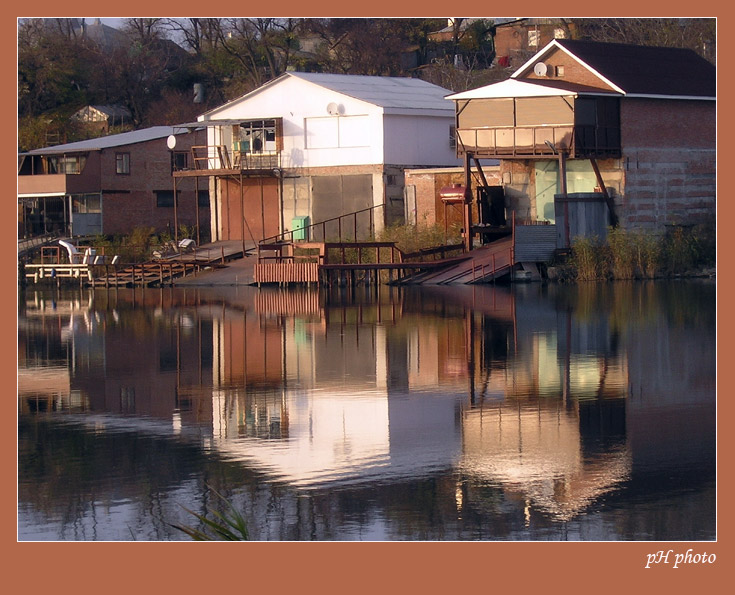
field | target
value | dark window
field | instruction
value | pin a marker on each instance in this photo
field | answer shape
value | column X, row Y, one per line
column 203, row 198
column 164, row 198
column 179, row 161
column 122, row 163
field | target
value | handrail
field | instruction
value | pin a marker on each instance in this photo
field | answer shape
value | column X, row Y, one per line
column 280, row 237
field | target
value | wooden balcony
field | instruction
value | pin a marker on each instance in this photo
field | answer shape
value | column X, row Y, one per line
column 213, row 160
column 525, row 142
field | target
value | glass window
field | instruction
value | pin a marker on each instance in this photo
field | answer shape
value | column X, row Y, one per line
column 203, row 198
column 180, row 161
column 164, row 198
column 122, row 163
column 67, row 164
column 86, row 203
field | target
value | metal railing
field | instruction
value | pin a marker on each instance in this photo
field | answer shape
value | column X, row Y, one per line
column 342, row 222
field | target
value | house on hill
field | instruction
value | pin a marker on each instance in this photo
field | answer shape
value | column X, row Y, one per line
column 110, row 185
column 631, row 127
column 307, row 148
column 103, row 117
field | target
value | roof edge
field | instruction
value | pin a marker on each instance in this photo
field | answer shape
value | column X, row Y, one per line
column 554, row 44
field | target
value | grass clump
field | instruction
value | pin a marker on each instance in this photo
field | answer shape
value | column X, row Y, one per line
column 636, row 254
column 225, row 526
column 412, row 238
column 590, row 258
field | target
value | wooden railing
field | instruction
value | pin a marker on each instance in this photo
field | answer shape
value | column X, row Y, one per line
column 219, row 157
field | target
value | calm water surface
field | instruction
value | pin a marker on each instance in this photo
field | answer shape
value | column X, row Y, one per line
column 528, row 412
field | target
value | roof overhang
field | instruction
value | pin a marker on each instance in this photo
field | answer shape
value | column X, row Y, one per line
column 512, row 88
column 204, row 123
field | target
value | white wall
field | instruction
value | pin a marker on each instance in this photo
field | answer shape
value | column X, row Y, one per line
column 352, row 138
column 423, row 140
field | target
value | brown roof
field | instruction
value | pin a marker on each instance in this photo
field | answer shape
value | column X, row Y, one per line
column 647, row 70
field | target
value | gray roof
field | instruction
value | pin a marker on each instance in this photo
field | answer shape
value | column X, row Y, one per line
column 111, row 141
column 383, row 91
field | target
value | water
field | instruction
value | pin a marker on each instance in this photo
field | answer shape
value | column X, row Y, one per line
column 489, row 413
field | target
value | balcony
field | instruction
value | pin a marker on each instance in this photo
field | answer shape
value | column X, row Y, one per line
column 525, row 142
column 533, row 127
column 220, row 160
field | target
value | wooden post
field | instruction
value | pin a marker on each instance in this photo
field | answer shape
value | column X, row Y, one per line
column 608, row 199
column 563, row 184
column 176, row 216
column 467, row 204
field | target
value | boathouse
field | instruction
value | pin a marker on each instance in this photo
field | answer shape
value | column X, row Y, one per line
column 592, row 134
column 110, row 185
column 308, row 148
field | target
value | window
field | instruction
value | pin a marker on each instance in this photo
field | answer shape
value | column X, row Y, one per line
column 558, row 71
column 179, row 161
column 122, row 163
column 67, row 164
column 203, row 198
column 533, row 37
column 86, row 203
column 257, row 136
column 452, row 137
column 164, row 198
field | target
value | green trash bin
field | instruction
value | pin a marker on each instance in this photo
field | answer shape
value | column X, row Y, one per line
column 298, row 225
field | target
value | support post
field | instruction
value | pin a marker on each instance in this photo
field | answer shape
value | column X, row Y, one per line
column 563, row 184
column 608, row 198
column 467, row 204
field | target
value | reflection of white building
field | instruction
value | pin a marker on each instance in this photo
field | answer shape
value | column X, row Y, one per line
column 328, row 430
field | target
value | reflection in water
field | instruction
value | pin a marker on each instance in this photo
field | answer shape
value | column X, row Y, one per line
column 531, row 412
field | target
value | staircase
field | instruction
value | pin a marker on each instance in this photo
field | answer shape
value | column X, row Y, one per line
column 481, row 265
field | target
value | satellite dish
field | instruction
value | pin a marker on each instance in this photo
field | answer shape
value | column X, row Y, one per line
column 335, row 110
column 540, row 69
column 171, row 142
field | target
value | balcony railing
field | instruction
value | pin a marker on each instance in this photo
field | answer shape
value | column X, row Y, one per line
column 212, row 157
column 541, row 141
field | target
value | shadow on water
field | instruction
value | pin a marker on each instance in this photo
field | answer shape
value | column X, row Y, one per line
column 529, row 412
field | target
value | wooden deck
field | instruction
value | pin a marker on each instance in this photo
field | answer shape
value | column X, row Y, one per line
column 160, row 271
column 362, row 262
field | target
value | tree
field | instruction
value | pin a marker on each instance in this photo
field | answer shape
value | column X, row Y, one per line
column 696, row 34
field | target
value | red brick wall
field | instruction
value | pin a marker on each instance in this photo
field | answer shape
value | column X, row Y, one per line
column 129, row 201
column 574, row 72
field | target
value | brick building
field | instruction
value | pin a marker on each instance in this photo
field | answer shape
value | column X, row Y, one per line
column 631, row 126
column 110, row 185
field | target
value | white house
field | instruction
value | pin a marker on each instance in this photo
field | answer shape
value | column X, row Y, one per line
column 307, row 147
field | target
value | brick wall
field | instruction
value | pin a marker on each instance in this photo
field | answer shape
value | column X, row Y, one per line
column 129, row 200
column 669, row 162
column 573, row 71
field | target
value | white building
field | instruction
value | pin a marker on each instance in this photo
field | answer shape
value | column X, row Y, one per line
column 318, row 146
